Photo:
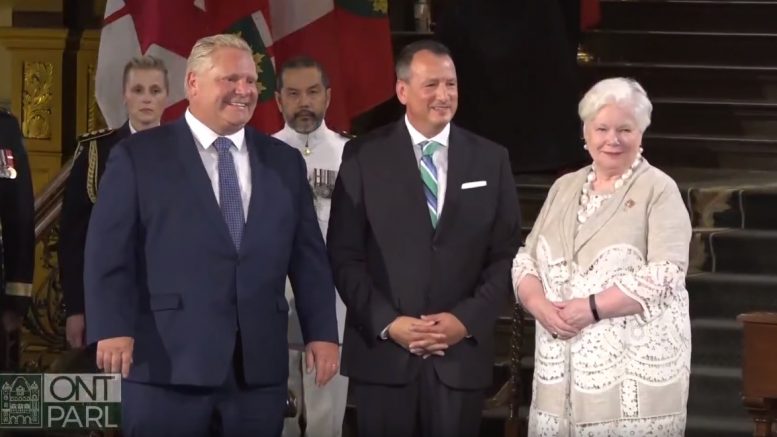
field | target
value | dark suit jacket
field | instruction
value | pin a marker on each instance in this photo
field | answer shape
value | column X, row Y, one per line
column 161, row 266
column 389, row 261
column 17, row 241
column 76, row 209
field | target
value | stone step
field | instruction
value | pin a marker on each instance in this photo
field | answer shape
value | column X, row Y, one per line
column 716, row 392
column 697, row 15
column 706, row 426
column 727, row 250
column 717, row 118
column 682, row 47
column 532, row 191
column 712, row 82
column 743, row 251
column 710, row 152
column 716, row 342
column 759, row 208
column 726, row 295
column 717, row 198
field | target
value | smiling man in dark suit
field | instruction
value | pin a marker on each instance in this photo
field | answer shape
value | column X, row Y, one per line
column 423, row 228
column 197, row 225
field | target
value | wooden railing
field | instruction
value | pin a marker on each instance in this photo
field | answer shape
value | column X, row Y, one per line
column 42, row 340
column 513, row 425
column 48, row 204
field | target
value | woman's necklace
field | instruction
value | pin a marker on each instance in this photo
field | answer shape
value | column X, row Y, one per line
column 590, row 201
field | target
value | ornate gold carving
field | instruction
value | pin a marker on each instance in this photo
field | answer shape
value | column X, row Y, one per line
column 584, row 57
column 37, row 99
column 380, row 6
column 94, row 117
column 43, row 336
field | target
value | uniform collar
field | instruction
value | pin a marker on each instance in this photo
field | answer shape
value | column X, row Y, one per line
column 312, row 140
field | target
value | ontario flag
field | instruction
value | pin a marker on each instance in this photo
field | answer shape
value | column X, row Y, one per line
column 350, row 38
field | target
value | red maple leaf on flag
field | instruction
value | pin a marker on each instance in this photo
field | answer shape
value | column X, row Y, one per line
column 356, row 51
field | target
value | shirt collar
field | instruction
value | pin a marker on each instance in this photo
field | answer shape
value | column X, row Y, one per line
column 206, row 136
column 311, row 139
column 132, row 128
column 417, row 137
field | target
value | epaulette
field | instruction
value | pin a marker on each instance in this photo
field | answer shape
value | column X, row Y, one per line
column 93, row 135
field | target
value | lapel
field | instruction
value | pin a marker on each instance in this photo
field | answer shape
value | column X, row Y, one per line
column 202, row 189
column 396, row 163
column 460, row 156
column 256, row 159
column 123, row 131
column 606, row 211
column 568, row 231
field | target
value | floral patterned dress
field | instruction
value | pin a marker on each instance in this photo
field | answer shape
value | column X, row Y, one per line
column 624, row 376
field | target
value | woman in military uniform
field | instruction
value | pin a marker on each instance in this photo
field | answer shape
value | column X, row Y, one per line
column 145, row 85
column 17, row 231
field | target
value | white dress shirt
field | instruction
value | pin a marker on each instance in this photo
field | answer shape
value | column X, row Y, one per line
column 204, row 137
column 440, row 157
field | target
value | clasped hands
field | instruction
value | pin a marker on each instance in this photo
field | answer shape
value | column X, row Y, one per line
column 563, row 320
column 429, row 335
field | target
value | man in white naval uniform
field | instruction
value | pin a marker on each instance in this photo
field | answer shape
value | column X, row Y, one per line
column 303, row 96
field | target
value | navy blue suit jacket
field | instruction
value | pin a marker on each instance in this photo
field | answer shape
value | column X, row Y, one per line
column 160, row 265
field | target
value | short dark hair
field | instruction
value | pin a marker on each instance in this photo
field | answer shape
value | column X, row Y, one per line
column 405, row 58
column 299, row 62
column 146, row 62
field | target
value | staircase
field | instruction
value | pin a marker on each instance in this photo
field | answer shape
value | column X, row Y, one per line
column 710, row 69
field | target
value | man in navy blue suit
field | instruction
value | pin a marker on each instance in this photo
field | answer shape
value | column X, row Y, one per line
column 198, row 224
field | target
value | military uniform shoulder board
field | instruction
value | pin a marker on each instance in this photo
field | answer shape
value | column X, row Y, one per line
column 95, row 134
column 90, row 140
column 85, row 139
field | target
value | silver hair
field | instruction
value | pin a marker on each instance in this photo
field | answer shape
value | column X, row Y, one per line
column 201, row 56
column 624, row 92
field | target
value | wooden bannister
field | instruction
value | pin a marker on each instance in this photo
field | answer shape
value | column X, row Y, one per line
column 759, row 371
column 48, row 203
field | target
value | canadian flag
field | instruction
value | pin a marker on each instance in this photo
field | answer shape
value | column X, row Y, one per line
column 351, row 39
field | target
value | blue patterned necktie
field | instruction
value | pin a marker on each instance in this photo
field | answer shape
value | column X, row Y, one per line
column 229, row 191
column 429, row 177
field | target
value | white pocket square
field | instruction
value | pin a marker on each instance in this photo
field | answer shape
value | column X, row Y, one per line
column 474, row 184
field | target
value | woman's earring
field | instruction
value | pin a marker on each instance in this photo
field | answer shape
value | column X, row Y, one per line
column 585, row 146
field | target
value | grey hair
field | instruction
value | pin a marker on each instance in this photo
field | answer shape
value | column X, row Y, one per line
column 621, row 91
column 405, row 57
column 201, row 56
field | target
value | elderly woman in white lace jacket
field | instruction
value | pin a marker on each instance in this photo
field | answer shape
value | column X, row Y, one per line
column 603, row 273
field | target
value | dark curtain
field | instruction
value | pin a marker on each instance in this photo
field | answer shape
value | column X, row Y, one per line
column 516, row 63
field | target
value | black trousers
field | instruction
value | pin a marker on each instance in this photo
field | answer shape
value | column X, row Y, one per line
column 424, row 408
